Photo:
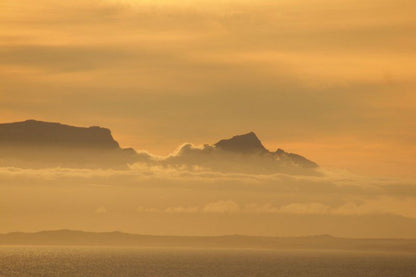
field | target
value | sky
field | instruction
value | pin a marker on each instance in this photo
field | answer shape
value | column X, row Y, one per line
column 332, row 80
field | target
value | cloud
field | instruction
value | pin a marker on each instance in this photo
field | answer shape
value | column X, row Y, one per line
column 147, row 210
column 302, row 208
column 222, row 206
column 169, row 200
column 61, row 58
column 157, row 74
column 181, row 209
column 378, row 206
column 239, row 64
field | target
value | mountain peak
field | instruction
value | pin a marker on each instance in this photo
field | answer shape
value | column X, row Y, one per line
column 246, row 143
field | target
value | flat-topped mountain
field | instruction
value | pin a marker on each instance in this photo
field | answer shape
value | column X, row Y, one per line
column 35, row 144
column 38, row 133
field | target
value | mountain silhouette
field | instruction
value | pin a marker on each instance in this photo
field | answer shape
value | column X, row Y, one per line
column 250, row 144
column 38, row 133
column 247, row 143
column 242, row 153
column 34, row 144
column 294, row 158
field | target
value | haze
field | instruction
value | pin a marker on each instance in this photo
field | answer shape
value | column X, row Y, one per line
column 333, row 81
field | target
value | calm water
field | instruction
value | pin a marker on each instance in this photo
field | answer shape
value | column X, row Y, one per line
column 84, row 261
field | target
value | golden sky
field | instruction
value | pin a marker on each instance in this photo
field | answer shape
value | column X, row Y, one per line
column 331, row 80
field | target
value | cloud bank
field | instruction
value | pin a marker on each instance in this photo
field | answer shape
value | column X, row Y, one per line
column 195, row 201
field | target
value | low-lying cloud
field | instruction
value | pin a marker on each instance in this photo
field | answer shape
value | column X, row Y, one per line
column 199, row 190
column 195, row 201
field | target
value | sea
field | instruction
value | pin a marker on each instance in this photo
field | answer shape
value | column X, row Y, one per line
column 124, row 261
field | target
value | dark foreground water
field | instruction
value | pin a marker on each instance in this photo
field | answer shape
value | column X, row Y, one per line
column 101, row 261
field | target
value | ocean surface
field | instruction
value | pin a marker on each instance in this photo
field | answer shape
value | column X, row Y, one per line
column 114, row 261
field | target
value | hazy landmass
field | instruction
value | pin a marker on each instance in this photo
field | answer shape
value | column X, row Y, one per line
column 37, row 144
column 319, row 242
column 242, row 153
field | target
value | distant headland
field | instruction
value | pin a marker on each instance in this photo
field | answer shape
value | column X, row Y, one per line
column 33, row 143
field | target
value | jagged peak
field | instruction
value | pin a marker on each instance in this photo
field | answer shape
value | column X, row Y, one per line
column 245, row 143
column 280, row 151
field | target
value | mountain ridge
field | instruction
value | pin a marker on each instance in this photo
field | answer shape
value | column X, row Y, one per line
column 33, row 143
column 117, row 238
column 249, row 143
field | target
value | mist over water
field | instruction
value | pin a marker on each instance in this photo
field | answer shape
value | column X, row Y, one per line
column 103, row 261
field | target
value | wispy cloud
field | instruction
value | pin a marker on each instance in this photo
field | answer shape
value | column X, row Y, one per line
column 218, row 192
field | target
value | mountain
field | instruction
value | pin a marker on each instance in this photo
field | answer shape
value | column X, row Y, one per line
column 294, row 158
column 242, row 153
column 34, row 144
column 250, row 144
column 69, row 237
column 245, row 144
column 38, row 133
